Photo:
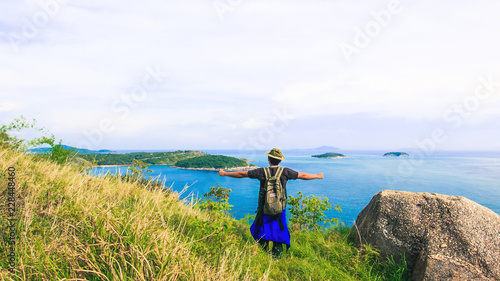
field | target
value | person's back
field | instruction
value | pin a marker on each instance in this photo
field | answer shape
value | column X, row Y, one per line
column 268, row 228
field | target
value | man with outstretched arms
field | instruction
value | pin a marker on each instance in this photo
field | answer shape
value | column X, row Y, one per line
column 268, row 225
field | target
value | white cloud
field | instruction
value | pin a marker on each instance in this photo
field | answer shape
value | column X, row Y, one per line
column 8, row 106
column 412, row 94
column 229, row 75
column 254, row 124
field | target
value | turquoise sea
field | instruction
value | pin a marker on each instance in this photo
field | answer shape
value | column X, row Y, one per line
column 351, row 182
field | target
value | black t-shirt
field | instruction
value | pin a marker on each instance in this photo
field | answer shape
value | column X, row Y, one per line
column 288, row 174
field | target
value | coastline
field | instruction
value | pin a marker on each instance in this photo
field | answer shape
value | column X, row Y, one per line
column 245, row 168
column 108, row 166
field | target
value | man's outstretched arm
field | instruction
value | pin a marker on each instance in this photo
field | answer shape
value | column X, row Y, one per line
column 239, row 175
column 306, row 176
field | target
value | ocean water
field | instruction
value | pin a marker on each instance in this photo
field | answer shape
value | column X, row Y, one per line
column 350, row 182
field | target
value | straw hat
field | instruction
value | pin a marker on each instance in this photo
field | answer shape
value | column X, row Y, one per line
column 275, row 153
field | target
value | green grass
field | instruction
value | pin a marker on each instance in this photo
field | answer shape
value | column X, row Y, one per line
column 77, row 227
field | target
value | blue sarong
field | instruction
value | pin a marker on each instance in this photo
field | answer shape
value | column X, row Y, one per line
column 270, row 229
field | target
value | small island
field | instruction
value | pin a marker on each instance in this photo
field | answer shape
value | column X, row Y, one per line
column 330, row 155
column 396, row 154
column 213, row 162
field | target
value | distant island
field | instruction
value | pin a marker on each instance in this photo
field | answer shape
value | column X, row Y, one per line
column 396, row 154
column 213, row 162
column 329, row 155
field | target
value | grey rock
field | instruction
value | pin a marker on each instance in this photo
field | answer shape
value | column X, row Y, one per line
column 443, row 237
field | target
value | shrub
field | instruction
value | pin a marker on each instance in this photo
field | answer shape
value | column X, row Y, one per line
column 137, row 173
column 309, row 212
column 60, row 154
column 216, row 200
column 216, row 203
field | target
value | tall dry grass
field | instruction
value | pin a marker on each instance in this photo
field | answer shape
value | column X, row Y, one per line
column 74, row 226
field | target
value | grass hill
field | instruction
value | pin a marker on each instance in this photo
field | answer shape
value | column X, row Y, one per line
column 212, row 162
column 74, row 226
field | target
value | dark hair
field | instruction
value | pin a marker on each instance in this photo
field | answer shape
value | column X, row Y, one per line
column 273, row 161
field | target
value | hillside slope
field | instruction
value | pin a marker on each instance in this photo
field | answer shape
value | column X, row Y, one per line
column 78, row 226
column 75, row 226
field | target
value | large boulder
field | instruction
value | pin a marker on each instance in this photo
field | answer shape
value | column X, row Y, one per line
column 443, row 237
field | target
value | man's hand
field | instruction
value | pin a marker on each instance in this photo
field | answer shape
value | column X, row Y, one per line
column 222, row 173
column 320, row 176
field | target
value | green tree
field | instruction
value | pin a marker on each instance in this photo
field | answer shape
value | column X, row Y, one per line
column 308, row 212
column 137, row 173
column 57, row 153
column 138, row 170
column 216, row 203
column 9, row 139
column 216, row 200
column 61, row 154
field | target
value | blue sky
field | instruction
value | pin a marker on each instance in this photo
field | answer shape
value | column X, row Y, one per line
column 242, row 74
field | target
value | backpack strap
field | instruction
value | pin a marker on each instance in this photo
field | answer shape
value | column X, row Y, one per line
column 279, row 172
column 282, row 226
column 278, row 176
column 267, row 173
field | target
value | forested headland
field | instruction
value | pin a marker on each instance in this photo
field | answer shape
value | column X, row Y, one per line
column 213, row 162
column 149, row 158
